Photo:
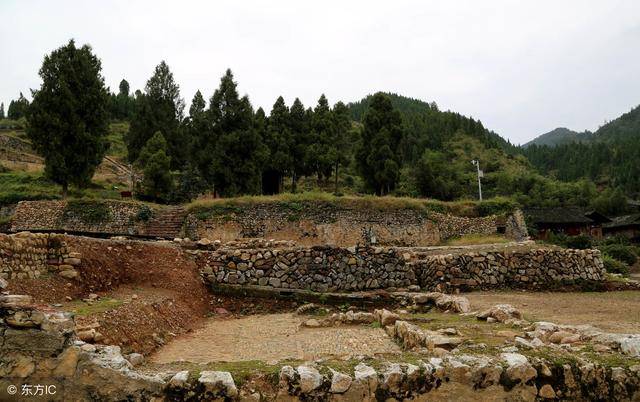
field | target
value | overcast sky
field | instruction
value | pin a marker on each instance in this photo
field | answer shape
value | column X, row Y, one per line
column 522, row 67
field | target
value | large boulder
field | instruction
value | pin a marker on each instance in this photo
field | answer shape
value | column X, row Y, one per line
column 218, row 384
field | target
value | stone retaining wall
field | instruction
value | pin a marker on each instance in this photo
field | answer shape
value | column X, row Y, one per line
column 509, row 269
column 318, row 268
column 344, row 224
column 101, row 217
column 31, row 255
column 330, row 269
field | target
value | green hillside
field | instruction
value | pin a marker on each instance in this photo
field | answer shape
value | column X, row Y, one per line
column 559, row 136
column 609, row 157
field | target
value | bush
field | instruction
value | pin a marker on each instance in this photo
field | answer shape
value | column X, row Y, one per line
column 579, row 242
column 497, row 206
column 614, row 266
column 620, row 252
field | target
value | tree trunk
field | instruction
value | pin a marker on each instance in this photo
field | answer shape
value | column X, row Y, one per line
column 293, row 182
column 337, row 166
column 65, row 190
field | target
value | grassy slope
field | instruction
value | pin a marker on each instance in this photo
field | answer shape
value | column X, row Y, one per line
column 18, row 185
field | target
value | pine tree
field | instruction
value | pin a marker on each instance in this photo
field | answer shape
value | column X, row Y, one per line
column 68, row 119
column 18, row 108
column 339, row 146
column 159, row 109
column 124, row 102
column 156, row 165
column 278, row 138
column 318, row 157
column 1, row 110
column 299, row 124
column 234, row 152
column 378, row 157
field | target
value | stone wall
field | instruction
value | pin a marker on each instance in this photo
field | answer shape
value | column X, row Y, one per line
column 31, row 255
column 317, row 268
column 99, row 217
column 536, row 268
column 331, row 269
column 348, row 224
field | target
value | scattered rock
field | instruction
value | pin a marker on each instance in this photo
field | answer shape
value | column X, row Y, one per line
column 218, row 383
column 340, row 382
column 310, row 379
column 547, row 392
column 501, row 313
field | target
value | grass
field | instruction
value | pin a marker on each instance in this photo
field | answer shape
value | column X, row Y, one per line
column 19, row 186
column 81, row 308
column 117, row 147
column 299, row 201
column 474, row 239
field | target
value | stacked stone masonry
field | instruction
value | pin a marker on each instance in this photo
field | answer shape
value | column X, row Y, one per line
column 32, row 255
column 307, row 223
column 104, row 218
column 331, row 269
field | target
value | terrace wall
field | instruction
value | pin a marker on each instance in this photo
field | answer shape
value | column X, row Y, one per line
column 333, row 269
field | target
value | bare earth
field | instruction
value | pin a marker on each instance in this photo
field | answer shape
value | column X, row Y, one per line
column 272, row 338
column 610, row 311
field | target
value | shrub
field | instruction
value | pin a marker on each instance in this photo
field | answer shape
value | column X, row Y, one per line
column 620, row 252
column 579, row 242
column 496, row 206
column 614, row 266
column 144, row 214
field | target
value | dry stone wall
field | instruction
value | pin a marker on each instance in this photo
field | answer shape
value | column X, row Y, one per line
column 318, row 268
column 99, row 217
column 331, row 269
column 321, row 223
column 511, row 269
column 31, row 255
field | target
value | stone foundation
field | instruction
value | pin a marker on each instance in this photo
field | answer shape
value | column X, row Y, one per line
column 32, row 255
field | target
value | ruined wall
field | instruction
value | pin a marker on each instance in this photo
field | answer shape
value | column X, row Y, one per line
column 99, row 217
column 31, row 255
column 316, row 223
column 340, row 224
column 330, row 269
column 537, row 268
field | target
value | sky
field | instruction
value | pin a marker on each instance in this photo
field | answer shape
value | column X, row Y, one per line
column 522, row 67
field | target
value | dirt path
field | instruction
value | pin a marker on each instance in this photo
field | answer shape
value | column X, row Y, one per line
column 610, row 311
column 271, row 338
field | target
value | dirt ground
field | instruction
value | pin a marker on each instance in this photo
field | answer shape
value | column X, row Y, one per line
column 610, row 311
column 272, row 338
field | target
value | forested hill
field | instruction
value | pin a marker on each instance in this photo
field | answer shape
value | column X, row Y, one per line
column 560, row 136
column 429, row 127
column 610, row 156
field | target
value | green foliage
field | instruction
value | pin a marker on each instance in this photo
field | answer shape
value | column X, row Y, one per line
column 122, row 104
column 378, row 156
column 144, row 214
column 436, row 177
column 614, row 266
column 580, row 242
column 497, row 206
column 68, row 117
column 156, row 164
column 611, row 202
column 620, row 252
column 160, row 108
column 230, row 154
column 2, row 116
column 608, row 156
column 18, row 108
column 87, row 211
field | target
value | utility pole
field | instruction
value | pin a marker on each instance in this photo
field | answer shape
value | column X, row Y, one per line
column 480, row 175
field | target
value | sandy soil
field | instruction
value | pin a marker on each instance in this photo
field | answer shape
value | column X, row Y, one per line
column 610, row 311
column 271, row 338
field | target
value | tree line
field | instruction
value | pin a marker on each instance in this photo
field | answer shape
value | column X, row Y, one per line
column 223, row 146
